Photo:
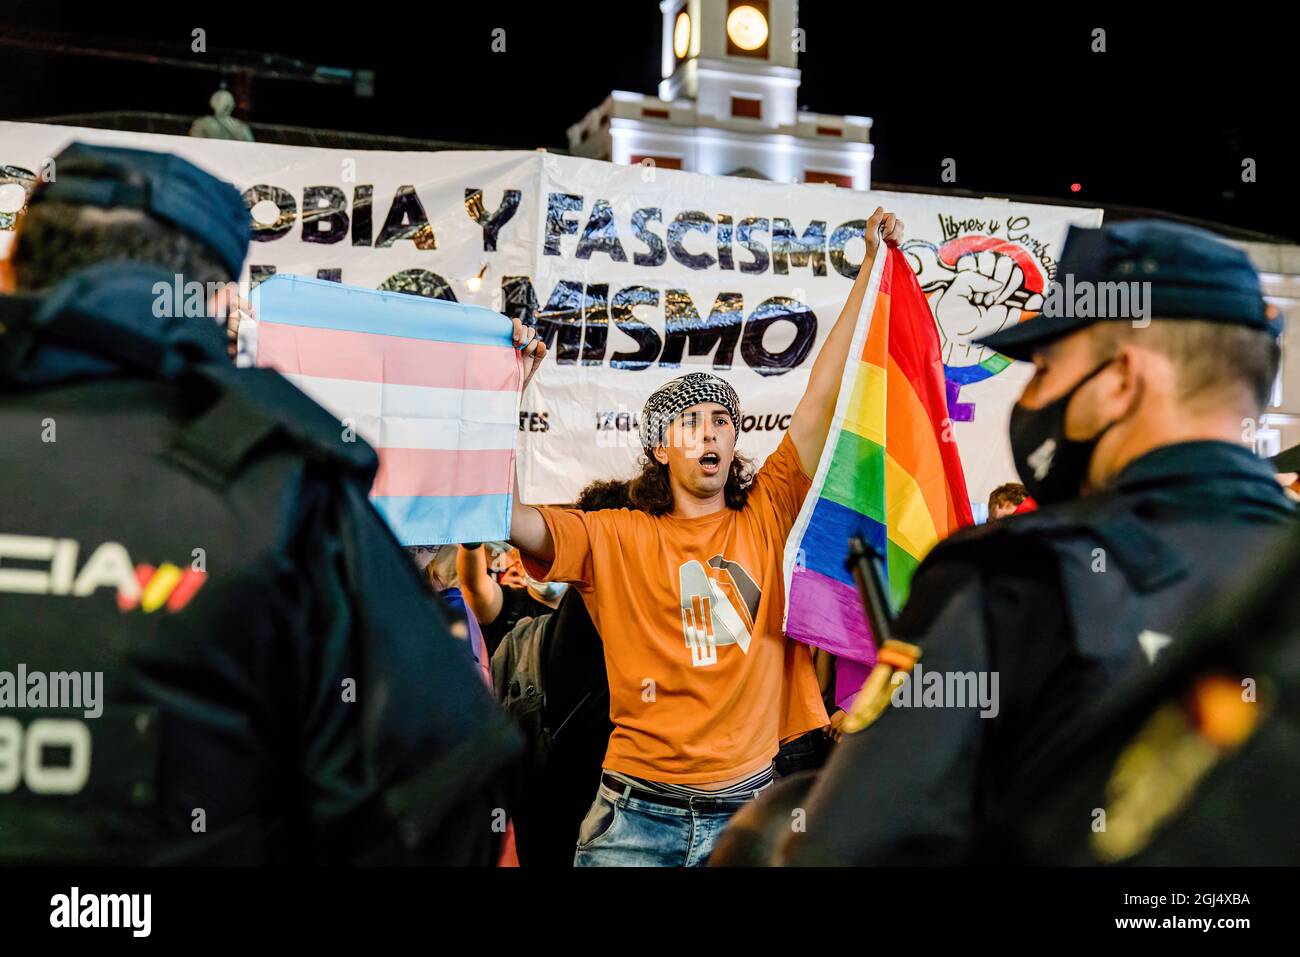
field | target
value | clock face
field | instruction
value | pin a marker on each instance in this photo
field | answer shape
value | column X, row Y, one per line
column 747, row 27
column 681, row 35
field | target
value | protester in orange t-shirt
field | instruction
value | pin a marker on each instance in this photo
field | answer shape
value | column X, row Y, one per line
column 687, row 593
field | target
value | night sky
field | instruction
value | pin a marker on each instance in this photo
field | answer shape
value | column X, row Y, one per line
column 1163, row 119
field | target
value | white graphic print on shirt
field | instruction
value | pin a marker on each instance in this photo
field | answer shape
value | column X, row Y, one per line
column 709, row 618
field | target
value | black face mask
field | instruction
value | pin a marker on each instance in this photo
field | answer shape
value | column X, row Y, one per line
column 1052, row 466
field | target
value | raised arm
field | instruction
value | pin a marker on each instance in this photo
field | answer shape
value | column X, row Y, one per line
column 811, row 421
column 480, row 590
column 528, row 532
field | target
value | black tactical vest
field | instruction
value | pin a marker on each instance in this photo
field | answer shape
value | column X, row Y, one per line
column 1136, row 563
column 276, row 684
column 1193, row 763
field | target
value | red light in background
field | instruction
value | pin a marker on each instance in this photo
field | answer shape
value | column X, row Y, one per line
column 1075, row 187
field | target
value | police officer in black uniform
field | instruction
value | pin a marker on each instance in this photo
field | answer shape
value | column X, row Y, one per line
column 277, row 686
column 1024, row 623
column 1196, row 762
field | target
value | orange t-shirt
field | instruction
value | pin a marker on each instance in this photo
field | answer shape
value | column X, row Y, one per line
column 703, row 685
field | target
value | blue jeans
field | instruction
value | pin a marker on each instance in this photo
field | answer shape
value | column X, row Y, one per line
column 625, row 831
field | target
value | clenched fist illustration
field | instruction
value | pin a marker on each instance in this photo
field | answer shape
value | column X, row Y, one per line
column 982, row 293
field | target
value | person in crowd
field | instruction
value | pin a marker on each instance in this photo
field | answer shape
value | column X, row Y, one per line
column 498, row 604
column 839, row 679
column 438, row 565
column 1006, row 499
column 687, row 594
column 549, row 672
column 277, row 687
column 504, row 564
column 1129, row 436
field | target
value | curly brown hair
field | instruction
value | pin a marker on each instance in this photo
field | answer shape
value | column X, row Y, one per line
column 603, row 493
column 651, row 491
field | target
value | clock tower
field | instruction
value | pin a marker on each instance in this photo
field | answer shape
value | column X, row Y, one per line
column 719, row 51
column 728, row 103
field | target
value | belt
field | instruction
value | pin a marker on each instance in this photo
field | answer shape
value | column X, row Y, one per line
column 694, row 802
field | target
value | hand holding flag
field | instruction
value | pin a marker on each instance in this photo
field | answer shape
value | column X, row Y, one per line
column 889, row 471
column 532, row 349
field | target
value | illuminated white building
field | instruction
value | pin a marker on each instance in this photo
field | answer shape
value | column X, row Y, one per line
column 728, row 103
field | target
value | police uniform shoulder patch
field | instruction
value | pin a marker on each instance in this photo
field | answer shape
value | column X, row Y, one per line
column 1157, row 772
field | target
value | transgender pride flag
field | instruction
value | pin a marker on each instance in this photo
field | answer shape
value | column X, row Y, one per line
column 889, row 472
column 432, row 385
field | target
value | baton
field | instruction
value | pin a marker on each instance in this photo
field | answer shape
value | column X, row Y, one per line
column 867, row 566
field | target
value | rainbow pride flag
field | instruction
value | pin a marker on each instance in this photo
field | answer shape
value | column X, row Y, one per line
column 432, row 385
column 889, row 472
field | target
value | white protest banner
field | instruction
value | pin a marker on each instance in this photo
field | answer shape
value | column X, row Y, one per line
column 644, row 273
column 637, row 274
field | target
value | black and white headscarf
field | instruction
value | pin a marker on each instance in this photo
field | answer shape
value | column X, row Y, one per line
column 676, row 396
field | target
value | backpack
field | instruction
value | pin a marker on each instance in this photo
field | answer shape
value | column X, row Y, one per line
column 566, row 727
column 517, row 680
